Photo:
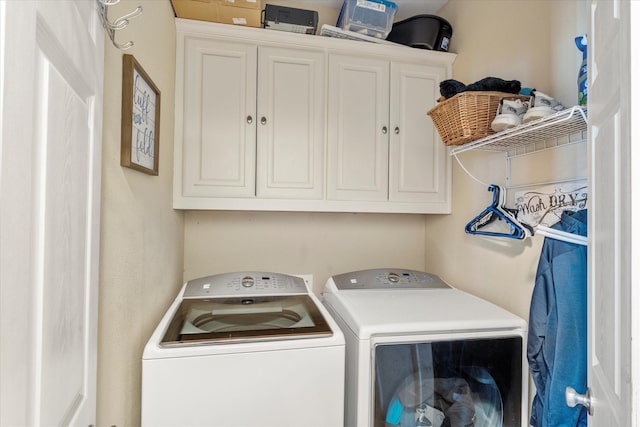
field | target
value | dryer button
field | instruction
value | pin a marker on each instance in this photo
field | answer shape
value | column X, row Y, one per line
column 247, row 281
column 393, row 277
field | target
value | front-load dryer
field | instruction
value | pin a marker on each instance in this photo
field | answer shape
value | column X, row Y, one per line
column 244, row 349
column 422, row 353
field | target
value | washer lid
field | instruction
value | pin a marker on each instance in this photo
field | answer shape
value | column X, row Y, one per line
column 408, row 311
column 245, row 318
column 398, row 301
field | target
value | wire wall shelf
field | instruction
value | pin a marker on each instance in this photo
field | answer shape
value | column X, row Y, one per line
column 563, row 128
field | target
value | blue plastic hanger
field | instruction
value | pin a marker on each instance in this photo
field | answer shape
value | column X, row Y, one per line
column 497, row 211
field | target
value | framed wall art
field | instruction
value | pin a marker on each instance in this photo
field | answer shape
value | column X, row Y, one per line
column 140, row 141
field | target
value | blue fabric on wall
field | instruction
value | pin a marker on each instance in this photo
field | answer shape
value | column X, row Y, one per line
column 557, row 337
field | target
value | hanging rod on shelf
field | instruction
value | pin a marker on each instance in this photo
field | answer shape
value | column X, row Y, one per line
column 118, row 24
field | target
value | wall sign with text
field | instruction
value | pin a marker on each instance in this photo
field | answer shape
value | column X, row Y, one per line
column 140, row 141
column 545, row 205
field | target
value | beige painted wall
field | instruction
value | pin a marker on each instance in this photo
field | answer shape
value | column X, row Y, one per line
column 491, row 38
column 141, row 256
column 503, row 38
column 146, row 244
column 322, row 244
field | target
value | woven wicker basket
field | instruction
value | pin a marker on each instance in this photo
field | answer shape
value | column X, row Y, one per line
column 467, row 116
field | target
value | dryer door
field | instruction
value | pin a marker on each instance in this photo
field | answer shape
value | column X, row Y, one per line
column 218, row 320
column 458, row 382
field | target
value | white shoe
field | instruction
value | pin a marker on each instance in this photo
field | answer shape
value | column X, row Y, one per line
column 541, row 106
column 509, row 114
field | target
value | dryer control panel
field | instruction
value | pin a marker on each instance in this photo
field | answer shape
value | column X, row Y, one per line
column 389, row 279
column 244, row 283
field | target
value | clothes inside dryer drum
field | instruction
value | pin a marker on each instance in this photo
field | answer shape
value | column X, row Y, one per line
column 471, row 399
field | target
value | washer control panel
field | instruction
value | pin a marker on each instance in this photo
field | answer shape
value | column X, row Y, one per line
column 389, row 279
column 244, row 283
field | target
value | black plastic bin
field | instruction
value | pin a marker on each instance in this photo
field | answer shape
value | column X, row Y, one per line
column 423, row 32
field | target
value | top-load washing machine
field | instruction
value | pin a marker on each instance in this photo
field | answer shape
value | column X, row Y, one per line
column 422, row 353
column 244, row 349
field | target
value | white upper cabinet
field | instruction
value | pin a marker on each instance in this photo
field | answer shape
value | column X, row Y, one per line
column 216, row 126
column 232, row 149
column 291, row 112
column 269, row 120
column 358, row 143
column 382, row 146
column 418, row 168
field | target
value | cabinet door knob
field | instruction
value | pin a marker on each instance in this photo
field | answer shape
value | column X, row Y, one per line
column 263, row 121
column 384, row 130
column 396, row 130
column 249, row 119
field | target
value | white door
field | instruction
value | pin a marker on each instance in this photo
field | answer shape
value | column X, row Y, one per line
column 358, row 129
column 610, row 224
column 291, row 116
column 418, row 161
column 215, row 124
column 50, row 154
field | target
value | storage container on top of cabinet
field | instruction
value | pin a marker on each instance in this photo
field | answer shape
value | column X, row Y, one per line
column 268, row 120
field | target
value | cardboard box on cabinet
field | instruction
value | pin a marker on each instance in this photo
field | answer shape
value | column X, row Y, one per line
column 237, row 12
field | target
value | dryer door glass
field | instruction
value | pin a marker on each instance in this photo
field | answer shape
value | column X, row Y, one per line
column 472, row 382
column 216, row 320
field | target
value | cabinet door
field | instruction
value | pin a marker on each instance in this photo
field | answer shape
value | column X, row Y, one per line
column 291, row 116
column 358, row 121
column 218, row 119
column 418, row 164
